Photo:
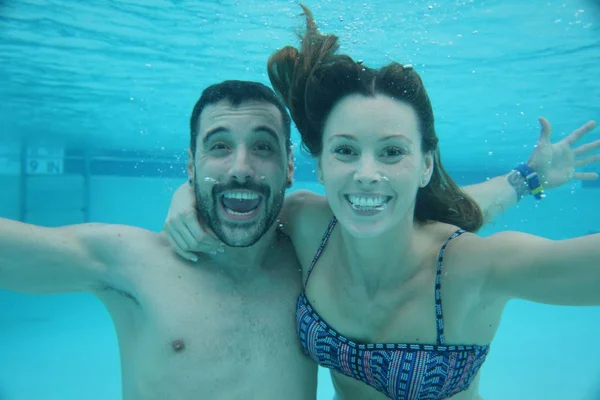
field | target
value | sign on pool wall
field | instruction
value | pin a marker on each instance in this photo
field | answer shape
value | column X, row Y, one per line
column 44, row 161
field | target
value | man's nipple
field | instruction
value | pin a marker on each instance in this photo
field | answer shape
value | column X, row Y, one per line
column 178, row 345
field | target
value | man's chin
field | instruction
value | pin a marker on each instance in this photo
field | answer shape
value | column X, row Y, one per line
column 241, row 236
column 240, row 242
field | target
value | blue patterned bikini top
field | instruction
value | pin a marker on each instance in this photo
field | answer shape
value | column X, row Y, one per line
column 400, row 371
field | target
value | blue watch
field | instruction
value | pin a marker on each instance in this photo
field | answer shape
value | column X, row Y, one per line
column 533, row 180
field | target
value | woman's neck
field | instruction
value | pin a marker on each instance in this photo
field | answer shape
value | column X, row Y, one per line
column 383, row 261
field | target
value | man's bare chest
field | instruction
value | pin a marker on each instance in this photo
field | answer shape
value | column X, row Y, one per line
column 185, row 320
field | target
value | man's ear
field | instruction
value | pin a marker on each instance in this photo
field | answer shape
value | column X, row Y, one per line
column 290, row 170
column 190, row 167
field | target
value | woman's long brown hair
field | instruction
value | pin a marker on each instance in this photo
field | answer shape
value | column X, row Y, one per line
column 314, row 78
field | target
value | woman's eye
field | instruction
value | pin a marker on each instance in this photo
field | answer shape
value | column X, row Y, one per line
column 393, row 152
column 344, row 151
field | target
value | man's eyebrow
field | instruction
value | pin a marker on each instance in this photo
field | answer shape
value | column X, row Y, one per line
column 268, row 130
column 221, row 129
column 212, row 132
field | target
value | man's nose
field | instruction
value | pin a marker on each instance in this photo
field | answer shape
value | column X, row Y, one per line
column 241, row 168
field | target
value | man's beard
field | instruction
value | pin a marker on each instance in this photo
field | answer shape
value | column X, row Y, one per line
column 241, row 234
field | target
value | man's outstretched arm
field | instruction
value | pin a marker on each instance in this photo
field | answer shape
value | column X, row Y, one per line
column 35, row 259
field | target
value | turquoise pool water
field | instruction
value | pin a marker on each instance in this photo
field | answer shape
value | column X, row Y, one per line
column 113, row 83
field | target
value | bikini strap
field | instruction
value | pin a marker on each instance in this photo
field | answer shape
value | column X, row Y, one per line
column 441, row 340
column 321, row 247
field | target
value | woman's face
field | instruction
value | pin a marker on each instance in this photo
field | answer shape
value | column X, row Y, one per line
column 372, row 164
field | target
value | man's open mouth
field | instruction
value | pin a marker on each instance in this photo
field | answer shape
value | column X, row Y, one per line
column 240, row 202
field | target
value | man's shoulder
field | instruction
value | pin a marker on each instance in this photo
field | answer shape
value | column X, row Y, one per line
column 113, row 234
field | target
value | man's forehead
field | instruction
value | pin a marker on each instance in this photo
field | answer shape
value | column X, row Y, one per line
column 247, row 114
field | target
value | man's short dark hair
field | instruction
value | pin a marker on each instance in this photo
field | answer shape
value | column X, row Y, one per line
column 237, row 92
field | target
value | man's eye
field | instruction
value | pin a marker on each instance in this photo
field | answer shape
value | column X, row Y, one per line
column 264, row 147
column 218, row 146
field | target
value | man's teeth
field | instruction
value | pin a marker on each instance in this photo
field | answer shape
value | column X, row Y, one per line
column 367, row 201
column 240, row 195
column 230, row 211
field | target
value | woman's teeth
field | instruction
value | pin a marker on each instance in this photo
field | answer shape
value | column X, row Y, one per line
column 370, row 202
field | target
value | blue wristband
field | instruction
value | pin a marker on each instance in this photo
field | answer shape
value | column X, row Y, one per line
column 533, row 181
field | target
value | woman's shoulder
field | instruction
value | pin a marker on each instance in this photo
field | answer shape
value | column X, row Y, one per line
column 305, row 213
column 460, row 253
column 305, row 219
column 442, row 239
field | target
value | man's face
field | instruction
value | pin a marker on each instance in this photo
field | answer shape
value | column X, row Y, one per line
column 241, row 169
